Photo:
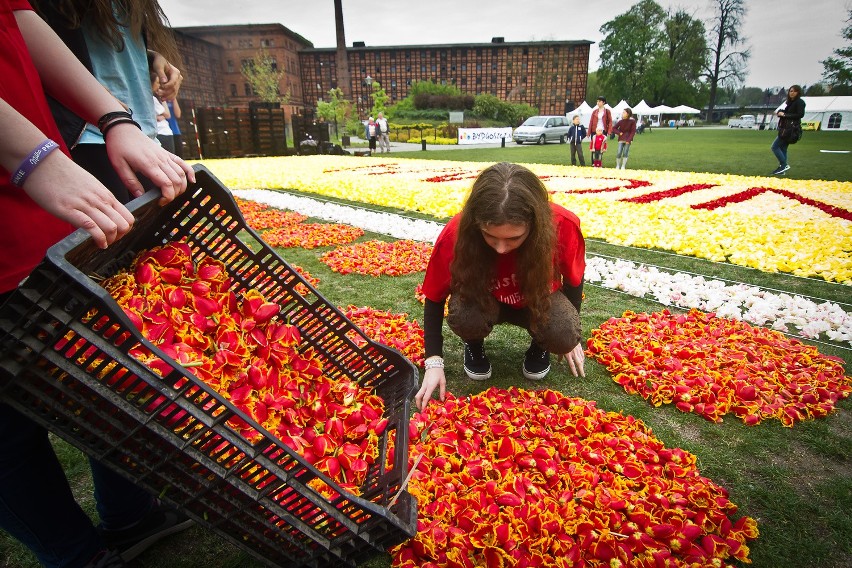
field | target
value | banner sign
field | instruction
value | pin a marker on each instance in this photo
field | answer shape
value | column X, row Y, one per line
column 484, row 135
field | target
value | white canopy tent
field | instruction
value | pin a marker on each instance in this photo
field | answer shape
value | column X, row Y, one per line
column 618, row 109
column 584, row 111
column 683, row 109
column 827, row 113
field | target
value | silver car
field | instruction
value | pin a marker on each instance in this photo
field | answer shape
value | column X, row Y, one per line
column 542, row 129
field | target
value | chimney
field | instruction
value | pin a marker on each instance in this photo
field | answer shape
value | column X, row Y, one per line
column 344, row 79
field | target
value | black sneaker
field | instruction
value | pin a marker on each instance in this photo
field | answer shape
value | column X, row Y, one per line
column 476, row 363
column 536, row 362
column 107, row 559
column 162, row 521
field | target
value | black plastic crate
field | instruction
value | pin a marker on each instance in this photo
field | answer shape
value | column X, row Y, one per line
column 64, row 346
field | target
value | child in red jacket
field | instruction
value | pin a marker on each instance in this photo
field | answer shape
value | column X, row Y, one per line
column 597, row 146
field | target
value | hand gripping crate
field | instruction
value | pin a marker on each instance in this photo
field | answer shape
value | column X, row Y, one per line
column 56, row 367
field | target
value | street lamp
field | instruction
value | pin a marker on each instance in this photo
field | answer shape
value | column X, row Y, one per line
column 368, row 82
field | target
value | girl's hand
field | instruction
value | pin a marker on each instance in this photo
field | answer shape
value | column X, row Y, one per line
column 431, row 378
column 576, row 360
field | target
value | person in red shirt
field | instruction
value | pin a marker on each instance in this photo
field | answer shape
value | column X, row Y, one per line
column 511, row 256
column 597, row 146
column 44, row 196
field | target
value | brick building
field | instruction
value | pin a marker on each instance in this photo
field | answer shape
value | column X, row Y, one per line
column 550, row 75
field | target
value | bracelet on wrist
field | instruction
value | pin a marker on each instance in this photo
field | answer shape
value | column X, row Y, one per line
column 118, row 121
column 433, row 363
column 105, row 120
column 32, row 161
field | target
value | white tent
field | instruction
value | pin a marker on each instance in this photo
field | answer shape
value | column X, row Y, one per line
column 584, row 111
column 683, row 109
column 827, row 113
column 618, row 109
column 642, row 109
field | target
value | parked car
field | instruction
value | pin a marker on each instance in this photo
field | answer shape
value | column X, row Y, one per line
column 745, row 121
column 542, row 129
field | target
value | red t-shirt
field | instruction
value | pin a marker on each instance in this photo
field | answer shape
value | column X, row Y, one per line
column 28, row 230
column 570, row 258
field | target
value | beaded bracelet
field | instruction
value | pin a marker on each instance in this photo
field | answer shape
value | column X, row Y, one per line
column 32, row 161
column 434, row 363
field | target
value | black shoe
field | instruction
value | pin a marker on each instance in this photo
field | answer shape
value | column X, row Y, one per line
column 476, row 363
column 162, row 521
column 536, row 363
column 107, row 559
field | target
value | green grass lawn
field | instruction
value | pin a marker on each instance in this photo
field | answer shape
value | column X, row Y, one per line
column 716, row 150
column 796, row 482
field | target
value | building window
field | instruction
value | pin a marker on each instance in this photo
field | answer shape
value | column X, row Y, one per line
column 233, row 89
column 230, row 66
column 273, row 63
column 464, row 81
column 267, row 43
column 247, row 89
column 834, row 120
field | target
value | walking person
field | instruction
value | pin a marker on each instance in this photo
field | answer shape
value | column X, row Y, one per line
column 626, row 130
column 576, row 135
column 789, row 128
column 597, row 147
column 511, row 256
column 383, row 131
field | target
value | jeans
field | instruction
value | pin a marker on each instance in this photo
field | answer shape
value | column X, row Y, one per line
column 779, row 148
column 623, row 150
column 37, row 506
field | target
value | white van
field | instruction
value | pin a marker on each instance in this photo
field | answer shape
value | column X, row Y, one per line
column 542, row 129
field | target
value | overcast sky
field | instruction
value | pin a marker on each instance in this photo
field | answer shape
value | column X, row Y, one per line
column 788, row 39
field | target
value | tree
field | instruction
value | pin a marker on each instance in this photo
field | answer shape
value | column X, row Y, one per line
column 750, row 96
column 837, row 69
column 728, row 54
column 335, row 109
column 632, row 42
column 593, row 88
column 264, row 77
column 380, row 98
column 684, row 59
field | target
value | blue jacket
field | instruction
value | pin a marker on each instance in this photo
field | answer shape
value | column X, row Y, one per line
column 576, row 133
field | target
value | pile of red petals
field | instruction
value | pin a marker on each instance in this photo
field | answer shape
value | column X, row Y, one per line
column 537, row 479
column 239, row 346
column 713, row 366
column 272, row 218
column 247, row 206
column 377, row 258
column 311, row 235
column 393, row 330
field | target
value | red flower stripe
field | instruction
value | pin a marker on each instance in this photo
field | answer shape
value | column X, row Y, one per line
column 832, row 210
column 669, row 193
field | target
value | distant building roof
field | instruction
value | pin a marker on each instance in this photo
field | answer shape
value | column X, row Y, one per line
column 361, row 45
column 243, row 28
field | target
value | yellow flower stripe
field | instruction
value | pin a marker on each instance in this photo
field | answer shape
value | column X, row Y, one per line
column 793, row 226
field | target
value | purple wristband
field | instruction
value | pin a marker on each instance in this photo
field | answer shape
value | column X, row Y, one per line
column 32, row 161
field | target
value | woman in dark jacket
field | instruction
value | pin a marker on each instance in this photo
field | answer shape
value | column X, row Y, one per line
column 793, row 112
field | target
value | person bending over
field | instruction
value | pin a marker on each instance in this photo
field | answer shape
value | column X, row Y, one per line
column 511, row 256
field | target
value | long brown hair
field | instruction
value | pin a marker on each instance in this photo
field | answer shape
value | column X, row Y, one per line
column 798, row 89
column 140, row 17
column 506, row 194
